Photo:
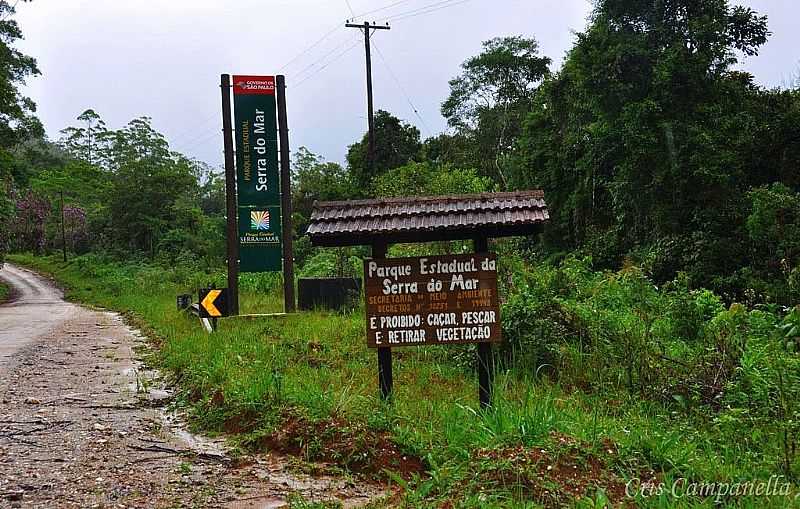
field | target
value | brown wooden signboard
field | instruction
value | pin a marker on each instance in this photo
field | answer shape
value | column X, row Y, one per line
column 432, row 300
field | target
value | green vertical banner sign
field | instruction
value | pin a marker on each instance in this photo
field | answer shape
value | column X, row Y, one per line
column 257, row 177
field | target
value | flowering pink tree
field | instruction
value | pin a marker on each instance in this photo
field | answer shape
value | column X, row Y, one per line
column 7, row 210
column 75, row 225
column 28, row 227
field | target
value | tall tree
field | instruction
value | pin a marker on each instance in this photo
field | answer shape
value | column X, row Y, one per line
column 315, row 179
column 17, row 120
column 16, row 111
column 491, row 96
column 396, row 143
column 88, row 142
column 641, row 136
column 148, row 181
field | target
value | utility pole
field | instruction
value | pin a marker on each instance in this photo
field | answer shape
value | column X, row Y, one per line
column 366, row 27
column 63, row 229
column 378, row 250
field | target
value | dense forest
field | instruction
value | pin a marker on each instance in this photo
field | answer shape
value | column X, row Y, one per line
column 651, row 149
column 670, row 268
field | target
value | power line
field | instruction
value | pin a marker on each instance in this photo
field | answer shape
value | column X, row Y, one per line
column 402, row 90
column 426, row 9
column 386, row 62
column 334, row 59
column 202, row 138
column 365, row 28
column 321, row 59
column 192, row 139
column 401, row 18
column 444, row 4
column 317, row 43
column 190, row 148
column 202, row 123
column 380, row 9
column 186, row 151
column 417, row 9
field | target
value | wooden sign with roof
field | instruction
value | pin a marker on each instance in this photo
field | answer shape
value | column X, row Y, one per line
column 427, row 219
column 436, row 299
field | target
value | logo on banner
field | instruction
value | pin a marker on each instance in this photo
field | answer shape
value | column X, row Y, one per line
column 259, row 220
column 257, row 85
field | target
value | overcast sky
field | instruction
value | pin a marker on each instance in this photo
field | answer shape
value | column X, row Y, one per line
column 129, row 58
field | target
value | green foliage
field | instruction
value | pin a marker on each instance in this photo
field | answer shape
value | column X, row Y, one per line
column 457, row 150
column 138, row 197
column 532, row 330
column 313, row 179
column 644, row 141
column 774, row 230
column 17, row 121
column 339, row 262
column 733, row 370
column 489, row 100
column 6, row 208
column 673, row 192
column 426, row 179
column 396, row 144
column 766, row 390
column 16, row 111
column 89, row 143
column 256, row 374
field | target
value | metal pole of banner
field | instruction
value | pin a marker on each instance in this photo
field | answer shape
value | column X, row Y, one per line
column 384, row 353
column 230, row 197
column 286, row 198
column 485, row 357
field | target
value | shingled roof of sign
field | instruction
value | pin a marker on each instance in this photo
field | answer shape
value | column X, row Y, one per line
column 426, row 219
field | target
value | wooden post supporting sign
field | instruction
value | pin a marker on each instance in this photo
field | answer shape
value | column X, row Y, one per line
column 432, row 300
column 485, row 357
column 232, row 251
column 286, row 197
column 384, row 353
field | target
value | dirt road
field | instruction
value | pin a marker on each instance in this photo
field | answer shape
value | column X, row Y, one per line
column 84, row 424
column 37, row 307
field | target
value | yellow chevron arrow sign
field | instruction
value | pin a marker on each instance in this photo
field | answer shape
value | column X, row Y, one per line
column 208, row 303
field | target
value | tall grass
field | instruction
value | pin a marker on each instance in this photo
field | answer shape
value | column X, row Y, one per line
column 253, row 373
column 5, row 291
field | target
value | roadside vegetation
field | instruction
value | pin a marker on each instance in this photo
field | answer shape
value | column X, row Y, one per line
column 604, row 379
column 5, row 292
column 651, row 333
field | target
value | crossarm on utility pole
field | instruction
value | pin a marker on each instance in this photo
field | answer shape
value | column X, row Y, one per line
column 367, row 25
